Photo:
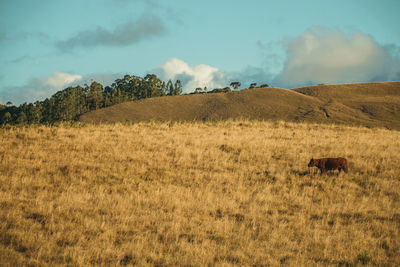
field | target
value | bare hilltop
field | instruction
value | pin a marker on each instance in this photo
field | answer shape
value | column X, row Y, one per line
column 362, row 104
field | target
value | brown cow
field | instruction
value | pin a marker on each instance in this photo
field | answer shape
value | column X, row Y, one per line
column 329, row 164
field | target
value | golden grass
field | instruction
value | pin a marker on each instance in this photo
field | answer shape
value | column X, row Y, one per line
column 224, row 193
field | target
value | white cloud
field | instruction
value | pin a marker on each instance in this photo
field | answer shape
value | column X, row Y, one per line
column 321, row 55
column 191, row 76
column 59, row 79
column 39, row 88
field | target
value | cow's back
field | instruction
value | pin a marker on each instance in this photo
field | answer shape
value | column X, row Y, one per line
column 335, row 163
column 325, row 164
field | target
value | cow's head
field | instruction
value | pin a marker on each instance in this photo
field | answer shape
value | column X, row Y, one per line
column 312, row 163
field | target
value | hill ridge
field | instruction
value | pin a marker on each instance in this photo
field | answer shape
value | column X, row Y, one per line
column 365, row 104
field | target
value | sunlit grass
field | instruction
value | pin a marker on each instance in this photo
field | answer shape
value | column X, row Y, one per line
column 234, row 192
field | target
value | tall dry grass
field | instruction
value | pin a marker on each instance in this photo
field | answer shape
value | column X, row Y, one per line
column 226, row 193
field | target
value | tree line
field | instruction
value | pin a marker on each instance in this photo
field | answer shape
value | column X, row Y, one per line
column 70, row 103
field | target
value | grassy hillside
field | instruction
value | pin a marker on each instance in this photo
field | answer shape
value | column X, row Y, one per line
column 369, row 104
column 372, row 104
column 256, row 103
column 214, row 193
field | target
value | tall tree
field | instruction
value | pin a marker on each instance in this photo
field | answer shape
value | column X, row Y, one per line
column 95, row 98
column 153, row 85
column 170, row 88
column 35, row 112
column 178, row 87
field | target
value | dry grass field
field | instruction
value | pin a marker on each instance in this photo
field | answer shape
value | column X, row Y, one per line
column 213, row 193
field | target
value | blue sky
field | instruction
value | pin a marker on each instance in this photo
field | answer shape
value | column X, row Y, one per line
column 47, row 45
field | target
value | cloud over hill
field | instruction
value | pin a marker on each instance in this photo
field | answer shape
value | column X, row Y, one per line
column 191, row 76
column 321, row 55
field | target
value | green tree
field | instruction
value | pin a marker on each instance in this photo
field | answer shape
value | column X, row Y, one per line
column 153, row 86
column 235, row 85
column 117, row 96
column 107, row 97
column 46, row 109
column 170, row 88
column 178, row 87
column 34, row 112
column 95, row 98
column 6, row 118
column 22, row 118
column 135, row 86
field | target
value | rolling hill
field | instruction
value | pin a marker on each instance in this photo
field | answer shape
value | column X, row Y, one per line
column 366, row 104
